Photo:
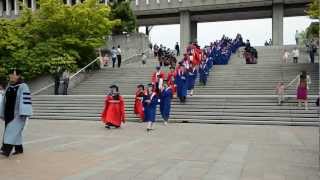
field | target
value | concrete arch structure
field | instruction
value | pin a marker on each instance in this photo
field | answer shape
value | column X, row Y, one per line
column 188, row 13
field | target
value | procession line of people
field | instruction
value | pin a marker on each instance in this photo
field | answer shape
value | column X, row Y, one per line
column 180, row 80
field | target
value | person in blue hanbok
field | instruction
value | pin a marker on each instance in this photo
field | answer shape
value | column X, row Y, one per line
column 182, row 83
column 204, row 72
column 191, row 78
column 165, row 102
column 150, row 102
column 15, row 110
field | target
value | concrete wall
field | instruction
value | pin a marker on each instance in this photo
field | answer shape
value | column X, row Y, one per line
column 174, row 6
column 130, row 44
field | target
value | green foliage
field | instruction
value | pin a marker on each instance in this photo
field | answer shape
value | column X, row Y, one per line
column 122, row 10
column 313, row 9
column 55, row 36
column 302, row 38
column 313, row 30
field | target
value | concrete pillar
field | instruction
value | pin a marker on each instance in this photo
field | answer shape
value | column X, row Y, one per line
column 8, row 7
column 1, row 8
column 185, row 30
column 194, row 31
column 33, row 5
column 277, row 24
column 16, row 7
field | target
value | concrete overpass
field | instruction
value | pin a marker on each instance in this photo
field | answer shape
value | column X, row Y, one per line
column 188, row 13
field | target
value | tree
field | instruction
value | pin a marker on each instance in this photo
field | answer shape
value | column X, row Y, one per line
column 122, row 10
column 55, row 36
column 313, row 30
column 313, row 9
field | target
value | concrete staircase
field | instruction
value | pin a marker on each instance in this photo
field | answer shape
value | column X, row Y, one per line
column 236, row 93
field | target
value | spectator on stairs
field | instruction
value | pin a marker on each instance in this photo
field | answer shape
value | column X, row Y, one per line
column 119, row 56
column 285, row 57
column 66, row 79
column 103, row 59
column 113, row 56
column 177, row 48
column 302, row 87
column 295, row 54
column 312, row 48
column 280, row 91
column 144, row 59
column 113, row 113
column 297, row 36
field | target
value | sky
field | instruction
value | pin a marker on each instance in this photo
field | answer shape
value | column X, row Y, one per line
column 257, row 30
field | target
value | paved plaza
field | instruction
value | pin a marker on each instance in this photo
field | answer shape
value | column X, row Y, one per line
column 76, row 150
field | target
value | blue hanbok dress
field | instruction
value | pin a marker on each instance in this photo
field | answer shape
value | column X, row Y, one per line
column 191, row 78
column 182, row 84
column 165, row 103
column 204, row 72
column 150, row 108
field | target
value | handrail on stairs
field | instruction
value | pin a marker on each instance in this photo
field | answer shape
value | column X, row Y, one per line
column 78, row 72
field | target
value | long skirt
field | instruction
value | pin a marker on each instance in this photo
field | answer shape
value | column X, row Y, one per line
column 302, row 93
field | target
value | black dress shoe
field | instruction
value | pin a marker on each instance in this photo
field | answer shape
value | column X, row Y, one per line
column 17, row 153
column 5, row 154
column 107, row 126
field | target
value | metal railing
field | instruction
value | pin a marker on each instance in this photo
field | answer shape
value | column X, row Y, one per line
column 71, row 77
column 81, row 70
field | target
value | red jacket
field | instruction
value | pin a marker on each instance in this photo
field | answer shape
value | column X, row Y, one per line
column 197, row 56
column 138, row 106
column 154, row 79
column 171, row 81
column 113, row 112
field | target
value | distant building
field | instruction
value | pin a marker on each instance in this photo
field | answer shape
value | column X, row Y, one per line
column 11, row 8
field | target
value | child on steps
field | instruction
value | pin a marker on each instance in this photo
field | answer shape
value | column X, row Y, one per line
column 280, row 91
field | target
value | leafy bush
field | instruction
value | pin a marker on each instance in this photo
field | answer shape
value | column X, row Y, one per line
column 54, row 36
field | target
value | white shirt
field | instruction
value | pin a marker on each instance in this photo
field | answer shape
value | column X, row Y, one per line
column 118, row 51
column 144, row 57
column 295, row 53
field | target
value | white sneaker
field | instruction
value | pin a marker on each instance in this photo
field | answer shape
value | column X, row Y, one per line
column 166, row 123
